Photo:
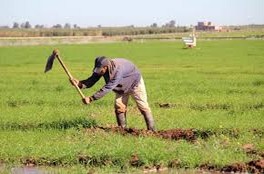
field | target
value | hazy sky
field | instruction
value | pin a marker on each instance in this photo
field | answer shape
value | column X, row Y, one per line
column 131, row 12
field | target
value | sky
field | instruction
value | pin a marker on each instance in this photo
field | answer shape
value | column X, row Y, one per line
column 91, row 13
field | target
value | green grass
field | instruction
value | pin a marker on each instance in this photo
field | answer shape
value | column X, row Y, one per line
column 218, row 86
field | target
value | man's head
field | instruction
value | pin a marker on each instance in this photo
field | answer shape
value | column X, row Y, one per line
column 101, row 65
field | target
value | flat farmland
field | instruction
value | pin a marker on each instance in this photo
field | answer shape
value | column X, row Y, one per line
column 207, row 102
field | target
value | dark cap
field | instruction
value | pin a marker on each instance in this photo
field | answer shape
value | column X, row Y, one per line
column 100, row 62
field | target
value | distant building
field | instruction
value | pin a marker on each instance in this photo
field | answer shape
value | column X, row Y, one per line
column 207, row 26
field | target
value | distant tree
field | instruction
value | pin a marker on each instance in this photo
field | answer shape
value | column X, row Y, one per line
column 67, row 26
column 4, row 26
column 169, row 24
column 15, row 25
column 99, row 26
column 172, row 23
column 39, row 26
column 27, row 25
column 154, row 25
column 57, row 26
column 75, row 26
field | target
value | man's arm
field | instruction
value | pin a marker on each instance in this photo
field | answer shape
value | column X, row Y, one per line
column 108, row 87
column 88, row 83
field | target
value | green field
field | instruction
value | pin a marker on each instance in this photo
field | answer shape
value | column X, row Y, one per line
column 217, row 87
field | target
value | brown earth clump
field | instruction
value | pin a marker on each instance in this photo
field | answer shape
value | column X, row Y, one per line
column 172, row 134
column 176, row 134
column 135, row 161
column 256, row 166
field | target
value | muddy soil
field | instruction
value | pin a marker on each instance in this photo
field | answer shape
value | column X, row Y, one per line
column 175, row 134
column 172, row 134
column 256, row 166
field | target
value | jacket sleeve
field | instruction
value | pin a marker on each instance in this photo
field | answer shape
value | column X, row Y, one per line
column 109, row 86
column 91, row 80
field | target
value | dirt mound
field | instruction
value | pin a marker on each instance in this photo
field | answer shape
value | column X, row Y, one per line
column 176, row 134
column 172, row 134
column 256, row 166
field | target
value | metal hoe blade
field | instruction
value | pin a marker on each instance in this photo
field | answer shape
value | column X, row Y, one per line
column 55, row 54
column 49, row 63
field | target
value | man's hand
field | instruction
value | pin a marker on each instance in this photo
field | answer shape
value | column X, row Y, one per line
column 74, row 82
column 87, row 100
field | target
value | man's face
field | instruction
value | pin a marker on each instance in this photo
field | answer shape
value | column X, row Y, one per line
column 101, row 71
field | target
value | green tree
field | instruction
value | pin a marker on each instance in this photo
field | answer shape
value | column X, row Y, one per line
column 27, row 25
column 15, row 25
column 154, row 25
column 57, row 26
column 67, row 26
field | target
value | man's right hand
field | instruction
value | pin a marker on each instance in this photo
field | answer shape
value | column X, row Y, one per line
column 74, row 82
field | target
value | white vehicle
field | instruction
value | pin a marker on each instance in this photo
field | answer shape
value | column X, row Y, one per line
column 190, row 41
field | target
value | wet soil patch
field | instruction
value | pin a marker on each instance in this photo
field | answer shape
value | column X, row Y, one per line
column 190, row 134
column 171, row 134
column 209, row 106
column 199, row 107
column 252, row 152
column 168, row 105
column 256, row 166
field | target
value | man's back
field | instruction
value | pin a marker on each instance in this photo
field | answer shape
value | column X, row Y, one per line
column 122, row 75
column 127, row 68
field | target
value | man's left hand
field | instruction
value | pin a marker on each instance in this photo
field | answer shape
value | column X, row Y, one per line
column 86, row 100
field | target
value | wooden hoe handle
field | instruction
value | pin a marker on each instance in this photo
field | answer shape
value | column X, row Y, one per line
column 56, row 54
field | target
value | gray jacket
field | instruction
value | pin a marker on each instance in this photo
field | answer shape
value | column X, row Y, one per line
column 121, row 77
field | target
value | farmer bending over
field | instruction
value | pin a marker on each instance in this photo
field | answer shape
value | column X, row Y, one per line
column 122, row 77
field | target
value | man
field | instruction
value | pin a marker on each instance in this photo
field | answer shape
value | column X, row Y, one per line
column 122, row 77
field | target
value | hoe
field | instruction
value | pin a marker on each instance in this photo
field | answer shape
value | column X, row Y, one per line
column 55, row 54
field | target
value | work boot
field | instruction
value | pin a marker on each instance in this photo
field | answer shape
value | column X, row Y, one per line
column 149, row 120
column 121, row 119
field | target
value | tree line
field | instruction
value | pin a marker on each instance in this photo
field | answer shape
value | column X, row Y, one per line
column 25, row 29
column 27, row 25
